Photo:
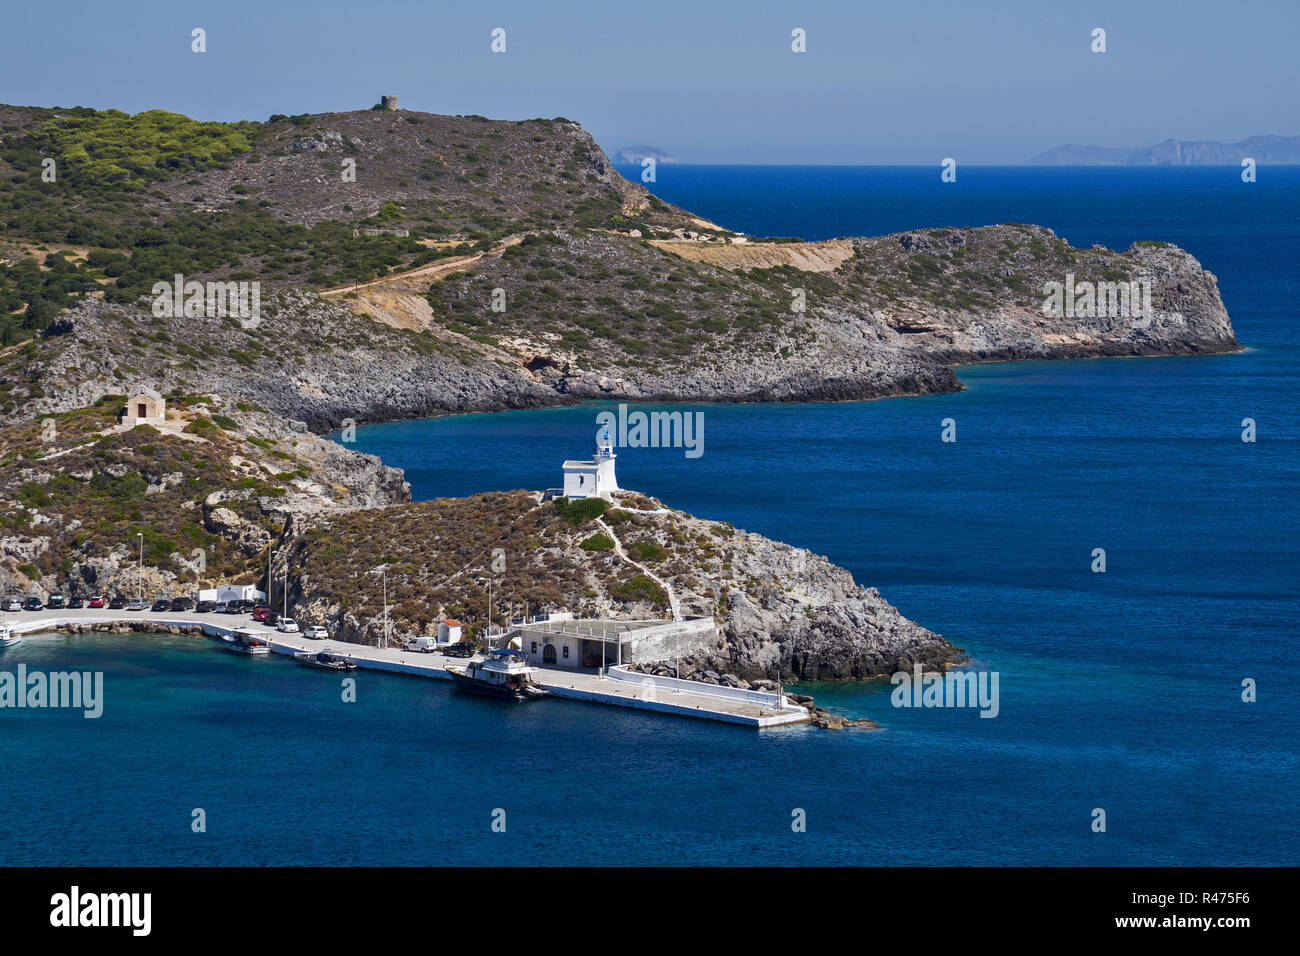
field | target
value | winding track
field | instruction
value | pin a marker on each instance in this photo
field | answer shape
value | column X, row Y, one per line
column 618, row 549
column 433, row 271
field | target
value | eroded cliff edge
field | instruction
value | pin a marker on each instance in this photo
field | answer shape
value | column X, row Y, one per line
column 891, row 319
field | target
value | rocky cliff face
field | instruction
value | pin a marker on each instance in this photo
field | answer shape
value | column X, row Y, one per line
column 844, row 632
column 890, row 320
column 593, row 288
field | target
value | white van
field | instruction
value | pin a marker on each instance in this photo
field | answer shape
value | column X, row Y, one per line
column 426, row 645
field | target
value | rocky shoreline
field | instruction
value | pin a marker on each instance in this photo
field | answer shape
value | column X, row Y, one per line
column 129, row 627
column 324, row 364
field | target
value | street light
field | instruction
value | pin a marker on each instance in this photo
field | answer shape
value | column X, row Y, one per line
column 384, row 575
column 139, row 571
column 270, row 557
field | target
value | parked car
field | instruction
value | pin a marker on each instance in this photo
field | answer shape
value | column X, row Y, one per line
column 316, row 633
column 242, row 607
column 425, row 645
column 96, row 600
column 594, row 660
column 182, row 604
column 55, row 601
column 13, row 604
column 261, row 613
column 135, row 604
column 76, row 604
column 223, row 607
column 288, row 625
column 117, row 603
column 33, row 604
column 460, row 649
column 162, row 604
column 205, row 607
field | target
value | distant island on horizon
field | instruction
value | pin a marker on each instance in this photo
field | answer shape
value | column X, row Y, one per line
column 630, row 155
column 1271, row 149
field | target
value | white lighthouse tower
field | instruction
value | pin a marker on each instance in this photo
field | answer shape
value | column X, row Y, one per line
column 605, row 455
column 595, row 478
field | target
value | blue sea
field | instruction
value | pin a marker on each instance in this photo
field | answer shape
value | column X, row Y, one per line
column 1120, row 690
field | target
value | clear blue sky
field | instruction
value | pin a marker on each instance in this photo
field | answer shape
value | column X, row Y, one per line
column 910, row 81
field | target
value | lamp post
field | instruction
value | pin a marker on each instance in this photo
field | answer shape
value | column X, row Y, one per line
column 139, row 571
column 677, row 653
column 384, row 575
column 270, row 557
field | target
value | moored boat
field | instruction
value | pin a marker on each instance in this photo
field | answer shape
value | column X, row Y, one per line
column 8, row 638
column 503, row 673
column 326, row 660
column 247, row 641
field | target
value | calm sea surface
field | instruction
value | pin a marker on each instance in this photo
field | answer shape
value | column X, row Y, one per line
column 1119, row 690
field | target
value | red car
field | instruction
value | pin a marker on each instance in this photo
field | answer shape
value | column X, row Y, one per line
column 96, row 601
column 260, row 614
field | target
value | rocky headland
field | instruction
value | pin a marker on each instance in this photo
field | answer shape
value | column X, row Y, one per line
column 470, row 265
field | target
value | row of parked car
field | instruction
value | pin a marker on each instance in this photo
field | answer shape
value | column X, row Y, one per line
column 57, row 602
column 260, row 612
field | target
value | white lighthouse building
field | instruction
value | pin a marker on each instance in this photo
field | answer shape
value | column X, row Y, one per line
column 595, row 478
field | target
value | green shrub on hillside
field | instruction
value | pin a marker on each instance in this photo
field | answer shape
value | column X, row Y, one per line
column 580, row 511
column 641, row 588
column 115, row 147
column 598, row 542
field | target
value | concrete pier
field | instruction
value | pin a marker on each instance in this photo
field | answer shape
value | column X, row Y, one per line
column 620, row 689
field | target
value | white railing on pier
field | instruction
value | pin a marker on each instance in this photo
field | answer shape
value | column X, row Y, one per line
column 674, row 685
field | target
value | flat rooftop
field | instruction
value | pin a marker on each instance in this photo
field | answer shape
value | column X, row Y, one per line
column 594, row 628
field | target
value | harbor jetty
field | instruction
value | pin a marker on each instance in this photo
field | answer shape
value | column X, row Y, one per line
column 614, row 686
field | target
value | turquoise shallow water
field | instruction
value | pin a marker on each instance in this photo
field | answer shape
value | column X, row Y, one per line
column 1119, row 691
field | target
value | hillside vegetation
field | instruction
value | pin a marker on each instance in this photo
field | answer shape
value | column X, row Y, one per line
column 565, row 280
column 81, row 495
column 157, row 194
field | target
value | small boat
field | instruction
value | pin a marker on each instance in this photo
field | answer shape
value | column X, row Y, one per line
column 246, row 641
column 503, row 673
column 8, row 638
column 326, row 660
